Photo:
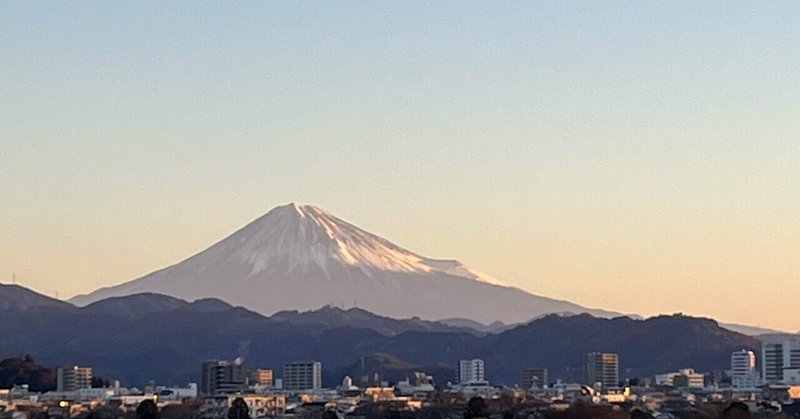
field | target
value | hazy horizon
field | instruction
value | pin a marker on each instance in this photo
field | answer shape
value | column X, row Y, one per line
column 635, row 157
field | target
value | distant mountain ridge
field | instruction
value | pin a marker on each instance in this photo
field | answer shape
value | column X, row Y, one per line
column 134, row 306
column 332, row 317
column 497, row 327
column 151, row 337
column 301, row 257
column 20, row 298
column 749, row 330
column 494, row 327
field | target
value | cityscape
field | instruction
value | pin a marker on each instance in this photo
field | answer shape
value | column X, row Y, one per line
column 763, row 381
column 296, row 390
column 380, row 209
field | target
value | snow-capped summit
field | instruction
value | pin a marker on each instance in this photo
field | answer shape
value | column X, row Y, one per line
column 303, row 257
column 308, row 238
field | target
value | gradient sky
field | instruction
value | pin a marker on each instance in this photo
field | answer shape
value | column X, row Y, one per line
column 636, row 156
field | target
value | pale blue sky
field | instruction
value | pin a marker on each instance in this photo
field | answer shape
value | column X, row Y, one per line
column 636, row 156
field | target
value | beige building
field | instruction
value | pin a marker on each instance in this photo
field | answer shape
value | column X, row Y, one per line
column 73, row 379
column 601, row 367
column 261, row 377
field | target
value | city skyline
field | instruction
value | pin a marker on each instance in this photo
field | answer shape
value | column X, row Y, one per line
column 640, row 158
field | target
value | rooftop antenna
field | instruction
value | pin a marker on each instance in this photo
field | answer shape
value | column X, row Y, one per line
column 13, row 277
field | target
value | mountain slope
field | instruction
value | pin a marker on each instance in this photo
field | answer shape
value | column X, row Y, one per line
column 333, row 317
column 134, row 306
column 301, row 257
column 749, row 330
column 643, row 345
column 168, row 344
column 23, row 370
column 21, row 298
column 495, row 327
column 138, row 306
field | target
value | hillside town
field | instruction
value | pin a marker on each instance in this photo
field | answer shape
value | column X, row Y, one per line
column 753, row 387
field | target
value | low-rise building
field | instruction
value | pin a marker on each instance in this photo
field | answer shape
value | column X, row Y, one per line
column 791, row 376
column 476, row 388
column 686, row 377
column 176, row 393
column 418, row 386
column 259, row 405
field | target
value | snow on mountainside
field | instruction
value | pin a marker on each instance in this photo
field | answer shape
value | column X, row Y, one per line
column 301, row 257
column 303, row 235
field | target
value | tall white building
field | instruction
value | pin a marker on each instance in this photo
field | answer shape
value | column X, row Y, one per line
column 743, row 369
column 299, row 376
column 777, row 355
column 470, row 370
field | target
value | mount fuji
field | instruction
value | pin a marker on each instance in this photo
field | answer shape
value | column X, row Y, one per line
column 301, row 257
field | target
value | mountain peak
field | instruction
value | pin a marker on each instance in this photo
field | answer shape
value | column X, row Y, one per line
column 309, row 238
column 306, row 237
column 301, row 210
column 299, row 256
